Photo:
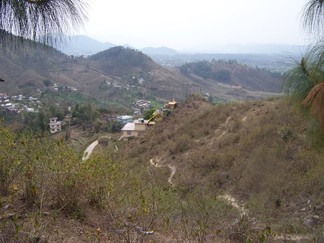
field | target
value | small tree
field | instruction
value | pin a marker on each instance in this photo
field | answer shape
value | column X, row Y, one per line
column 47, row 82
column 149, row 113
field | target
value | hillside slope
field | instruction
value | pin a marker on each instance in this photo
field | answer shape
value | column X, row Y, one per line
column 133, row 67
column 118, row 74
column 233, row 73
column 119, row 61
column 264, row 154
column 241, row 172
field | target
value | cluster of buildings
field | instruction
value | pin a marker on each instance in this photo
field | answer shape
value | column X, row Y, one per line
column 19, row 103
column 134, row 128
column 113, row 84
column 56, row 88
column 140, row 106
column 131, row 127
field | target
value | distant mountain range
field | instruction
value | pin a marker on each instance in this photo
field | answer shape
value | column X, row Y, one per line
column 83, row 45
column 252, row 48
column 274, row 57
column 163, row 51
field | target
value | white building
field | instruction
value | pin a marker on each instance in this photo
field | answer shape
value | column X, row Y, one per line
column 124, row 119
column 136, row 128
column 55, row 125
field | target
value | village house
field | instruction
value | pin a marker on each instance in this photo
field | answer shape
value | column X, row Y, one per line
column 141, row 124
column 55, row 125
column 29, row 109
column 30, row 98
column 3, row 96
column 171, row 105
column 11, row 107
column 129, row 130
column 135, row 128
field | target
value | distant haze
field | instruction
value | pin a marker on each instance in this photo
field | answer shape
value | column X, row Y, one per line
column 203, row 25
column 84, row 45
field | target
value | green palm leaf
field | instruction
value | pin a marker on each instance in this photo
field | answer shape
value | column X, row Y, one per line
column 306, row 73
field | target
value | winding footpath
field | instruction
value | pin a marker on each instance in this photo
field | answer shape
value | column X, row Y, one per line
column 232, row 201
column 228, row 198
column 89, row 150
column 173, row 169
column 244, row 212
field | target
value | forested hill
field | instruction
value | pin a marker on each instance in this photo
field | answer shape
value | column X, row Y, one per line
column 233, row 73
column 119, row 60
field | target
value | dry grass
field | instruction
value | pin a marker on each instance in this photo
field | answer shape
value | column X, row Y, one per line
column 260, row 152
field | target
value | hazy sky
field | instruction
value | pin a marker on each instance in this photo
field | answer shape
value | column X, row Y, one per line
column 193, row 24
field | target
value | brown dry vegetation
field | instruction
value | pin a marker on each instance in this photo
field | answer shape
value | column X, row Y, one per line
column 263, row 153
column 25, row 65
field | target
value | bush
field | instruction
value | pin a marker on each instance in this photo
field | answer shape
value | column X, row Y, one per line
column 181, row 144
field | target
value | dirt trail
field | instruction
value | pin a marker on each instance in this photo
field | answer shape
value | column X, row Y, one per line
column 243, row 211
column 89, row 150
column 222, row 129
column 227, row 120
column 173, row 169
column 295, row 238
column 232, row 201
column 228, row 198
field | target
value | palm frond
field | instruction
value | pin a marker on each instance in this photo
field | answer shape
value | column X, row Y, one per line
column 316, row 54
column 40, row 19
column 299, row 80
column 307, row 73
column 313, row 17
